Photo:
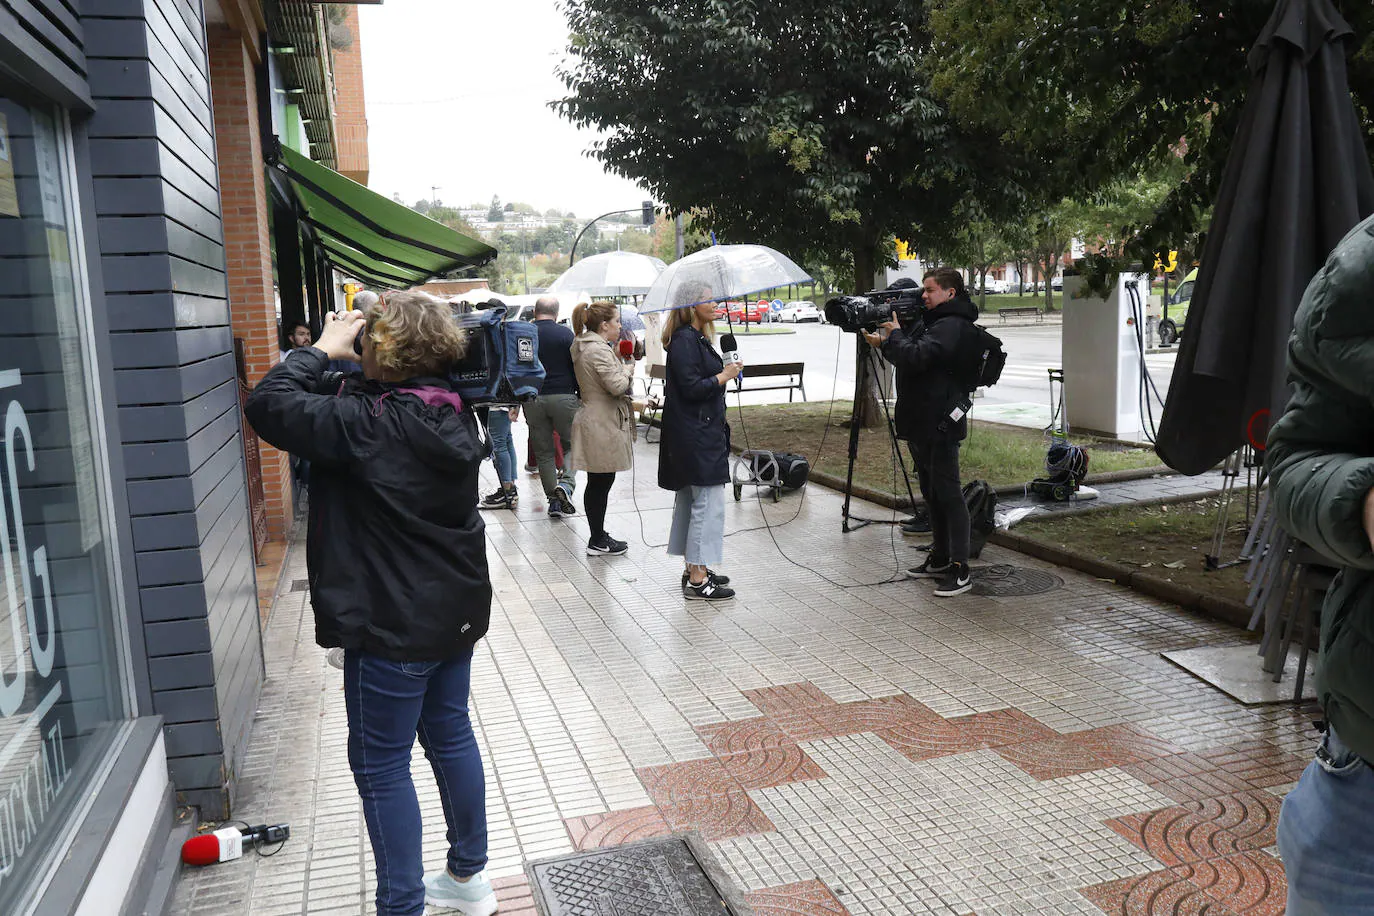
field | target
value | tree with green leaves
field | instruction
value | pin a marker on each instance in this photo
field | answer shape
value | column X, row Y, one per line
column 1092, row 91
column 496, row 213
column 808, row 125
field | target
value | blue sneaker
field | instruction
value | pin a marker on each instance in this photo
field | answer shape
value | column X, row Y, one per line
column 473, row 897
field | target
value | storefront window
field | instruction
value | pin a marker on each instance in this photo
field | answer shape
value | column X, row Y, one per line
column 60, row 686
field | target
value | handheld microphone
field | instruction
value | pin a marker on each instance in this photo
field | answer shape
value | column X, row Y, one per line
column 226, row 844
column 626, row 348
column 730, row 353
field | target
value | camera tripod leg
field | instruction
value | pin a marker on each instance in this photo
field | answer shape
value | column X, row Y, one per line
column 851, row 522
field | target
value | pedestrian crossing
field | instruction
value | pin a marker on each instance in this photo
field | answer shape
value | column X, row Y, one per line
column 1036, row 369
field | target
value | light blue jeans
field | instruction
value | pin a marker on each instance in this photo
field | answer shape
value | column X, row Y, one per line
column 1326, row 835
column 698, row 533
column 502, row 444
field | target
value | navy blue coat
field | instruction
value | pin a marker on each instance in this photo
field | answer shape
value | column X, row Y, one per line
column 695, row 447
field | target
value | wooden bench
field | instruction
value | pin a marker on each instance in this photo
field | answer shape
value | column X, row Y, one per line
column 791, row 371
column 1002, row 313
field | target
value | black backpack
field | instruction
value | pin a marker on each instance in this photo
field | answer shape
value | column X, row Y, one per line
column 981, row 500
column 792, row 470
column 981, row 359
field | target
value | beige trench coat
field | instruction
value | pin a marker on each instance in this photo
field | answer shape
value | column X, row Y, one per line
column 603, row 432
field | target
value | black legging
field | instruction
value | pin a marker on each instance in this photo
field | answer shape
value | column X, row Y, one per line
column 598, row 492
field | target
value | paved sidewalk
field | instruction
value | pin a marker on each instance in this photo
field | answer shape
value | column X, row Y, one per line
column 844, row 747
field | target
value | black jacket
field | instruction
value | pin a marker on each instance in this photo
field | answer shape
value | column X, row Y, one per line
column 395, row 550
column 926, row 357
column 695, row 446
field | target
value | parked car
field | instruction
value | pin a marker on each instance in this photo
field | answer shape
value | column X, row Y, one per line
column 747, row 312
column 797, row 311
column 1171, row 326
column 1057, row 284
column 992, row 285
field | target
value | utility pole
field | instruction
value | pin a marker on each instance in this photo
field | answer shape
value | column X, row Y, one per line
column 433, row 196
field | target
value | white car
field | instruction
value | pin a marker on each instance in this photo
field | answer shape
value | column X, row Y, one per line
column 798, row 311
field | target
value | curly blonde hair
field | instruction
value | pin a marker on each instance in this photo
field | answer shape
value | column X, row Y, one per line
column 414, row 334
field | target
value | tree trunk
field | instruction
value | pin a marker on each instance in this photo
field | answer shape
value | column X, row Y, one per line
column 866, row 387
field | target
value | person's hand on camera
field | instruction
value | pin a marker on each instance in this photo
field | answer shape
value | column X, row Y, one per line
column 875, row 340
column 891, row 324
column 339, row 333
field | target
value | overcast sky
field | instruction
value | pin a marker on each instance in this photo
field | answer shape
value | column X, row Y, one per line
column 457, row 97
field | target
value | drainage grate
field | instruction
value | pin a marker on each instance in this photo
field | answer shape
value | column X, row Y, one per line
column 660, row 877
column 300, row 585
column 1011, row 581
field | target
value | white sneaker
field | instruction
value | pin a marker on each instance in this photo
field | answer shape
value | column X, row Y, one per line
column 473, row 897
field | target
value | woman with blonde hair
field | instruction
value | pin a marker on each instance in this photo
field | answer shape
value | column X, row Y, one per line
column 398, row 574
column 694, row 453
column 603, row 431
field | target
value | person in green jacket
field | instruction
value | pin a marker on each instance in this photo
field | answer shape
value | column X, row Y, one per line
column 1321, row 464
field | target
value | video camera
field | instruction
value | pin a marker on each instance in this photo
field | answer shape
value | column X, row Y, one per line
column 501, row 366
column 866, row 312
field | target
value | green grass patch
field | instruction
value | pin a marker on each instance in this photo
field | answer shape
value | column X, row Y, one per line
column 753, row 329
column 1001, row 455
column 1170, row 542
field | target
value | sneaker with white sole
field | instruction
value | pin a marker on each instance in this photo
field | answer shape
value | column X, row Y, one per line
column 930, row 569
column 473, row 897
column 501, row 499
column 560, row 504
column 958, row 579
column 606, row 546
column 709, row 590
column 710, row 574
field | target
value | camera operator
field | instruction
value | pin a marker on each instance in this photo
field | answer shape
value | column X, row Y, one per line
column 398, row 575
column 931, row 416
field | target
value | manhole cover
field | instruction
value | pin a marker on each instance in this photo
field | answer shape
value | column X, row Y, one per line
column 300, row 585
column 661, row 877
column 1012, row 581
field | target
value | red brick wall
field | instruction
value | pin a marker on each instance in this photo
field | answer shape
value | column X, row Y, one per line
column 350, row 108
column 247, row 244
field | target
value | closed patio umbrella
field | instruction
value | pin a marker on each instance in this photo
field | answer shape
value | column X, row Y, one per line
column 1297, row 180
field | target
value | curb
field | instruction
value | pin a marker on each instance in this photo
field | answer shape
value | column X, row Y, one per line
column 1223, row 609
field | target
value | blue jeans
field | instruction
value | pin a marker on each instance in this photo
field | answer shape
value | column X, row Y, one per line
column 1326, row 835
column 503, row 444
column 698, row 531
column 389, row 704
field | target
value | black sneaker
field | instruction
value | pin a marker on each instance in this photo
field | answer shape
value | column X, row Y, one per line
column 709, row 590
column 501, row 499
column 607, row 546
column 495, row 496
column 957, row 580
column 914, row 527
column 560, row 504
column 930, row 569
column 710, row 574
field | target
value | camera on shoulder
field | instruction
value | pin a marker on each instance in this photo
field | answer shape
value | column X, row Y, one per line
column 866, row 312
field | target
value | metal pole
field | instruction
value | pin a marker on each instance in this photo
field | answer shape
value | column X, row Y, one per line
column 572, row 255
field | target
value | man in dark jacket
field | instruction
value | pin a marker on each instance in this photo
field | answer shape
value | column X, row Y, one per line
column 932, row 409
column 398, row 575
column 1321, row 465
column 555, row 407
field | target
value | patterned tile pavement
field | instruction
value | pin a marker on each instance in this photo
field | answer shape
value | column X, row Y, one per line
column 845, row 745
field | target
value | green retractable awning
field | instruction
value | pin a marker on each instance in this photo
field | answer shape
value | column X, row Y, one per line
column 370, row 237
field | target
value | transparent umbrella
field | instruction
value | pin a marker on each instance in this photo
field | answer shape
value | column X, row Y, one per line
column 721, row 272
column 615, row 273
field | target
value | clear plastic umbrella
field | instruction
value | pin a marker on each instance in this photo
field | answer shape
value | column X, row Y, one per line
column 721, row 272
column 629, row 319
column 615, row 273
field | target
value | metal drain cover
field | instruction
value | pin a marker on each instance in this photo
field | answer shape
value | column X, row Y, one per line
column 300, row 585
column 659, row 877
column 1013, row 581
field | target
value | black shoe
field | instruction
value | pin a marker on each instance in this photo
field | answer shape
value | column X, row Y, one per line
column 710, row 574
column 501, row 499
column 916, row 525
column 930, row 569
column 709, row 590
column 606, row 545
column 560, row 505
column 956, row 581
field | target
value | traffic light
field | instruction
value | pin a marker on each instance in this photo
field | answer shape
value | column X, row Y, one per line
column 648, row 212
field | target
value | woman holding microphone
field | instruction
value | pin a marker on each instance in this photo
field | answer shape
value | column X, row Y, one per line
column 694, row 454
column 603, row 431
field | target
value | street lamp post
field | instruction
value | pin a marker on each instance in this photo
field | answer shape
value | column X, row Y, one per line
column 646, row 209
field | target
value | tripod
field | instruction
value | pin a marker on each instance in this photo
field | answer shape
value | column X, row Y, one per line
column 848, row 521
